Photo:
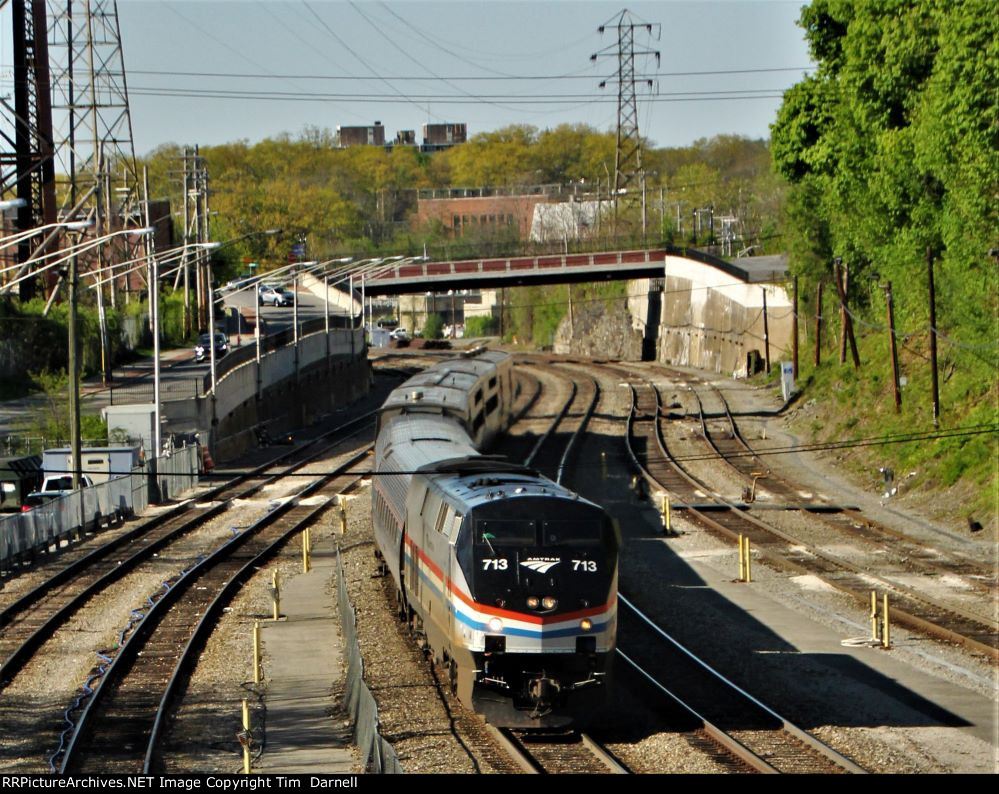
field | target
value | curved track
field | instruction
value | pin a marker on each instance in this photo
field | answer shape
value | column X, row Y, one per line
column 648, row 450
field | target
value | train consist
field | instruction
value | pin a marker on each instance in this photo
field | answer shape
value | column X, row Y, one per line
column 509, row 579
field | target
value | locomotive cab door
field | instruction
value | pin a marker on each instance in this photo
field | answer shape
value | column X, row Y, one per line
column 452, row 574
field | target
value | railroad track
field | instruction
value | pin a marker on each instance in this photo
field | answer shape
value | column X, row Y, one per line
column 719, row 712
column 31, row 620
column 556, row 753
column 912, row 556
column 551, row 458
column 651, row 455
column 121, row 725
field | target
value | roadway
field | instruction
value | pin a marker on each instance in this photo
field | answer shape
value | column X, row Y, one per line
column 180, row 376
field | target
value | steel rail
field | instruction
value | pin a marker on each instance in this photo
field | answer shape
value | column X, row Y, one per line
column 188, row 658
column 579, row 430
column 23, row 653
column 141, row 632
column 802, row 736
column 871, row 531
column 67, row 573
column 900, row 616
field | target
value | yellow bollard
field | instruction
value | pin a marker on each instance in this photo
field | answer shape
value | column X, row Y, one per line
column 343, row 515
column 664, row 514
column 256, row 652
column 305, row 551
column 276, row 594
column 245, row 737
column 742, row 560
column 886, row 630
column 874, row 616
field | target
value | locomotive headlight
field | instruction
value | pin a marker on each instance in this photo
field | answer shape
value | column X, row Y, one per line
column 586, row 624
column 532, row 602
column 495, row 625
column 548, row 602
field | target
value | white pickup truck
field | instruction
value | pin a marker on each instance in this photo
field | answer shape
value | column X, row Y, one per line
column 53, row 487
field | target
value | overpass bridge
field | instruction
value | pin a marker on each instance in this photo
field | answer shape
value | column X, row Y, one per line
column 418, row 277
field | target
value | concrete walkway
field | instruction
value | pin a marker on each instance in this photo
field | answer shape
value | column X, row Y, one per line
column 302, row 658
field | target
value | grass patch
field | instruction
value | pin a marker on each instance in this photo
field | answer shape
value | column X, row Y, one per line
column 846, row 404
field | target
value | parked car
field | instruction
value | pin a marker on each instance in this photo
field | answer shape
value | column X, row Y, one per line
column 399, row 334
column 202, row 351
column 38, row 498
column 268, row 294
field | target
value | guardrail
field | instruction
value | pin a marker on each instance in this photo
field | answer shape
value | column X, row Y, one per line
column 23, row 535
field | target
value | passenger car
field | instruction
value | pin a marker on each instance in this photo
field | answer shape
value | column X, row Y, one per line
column 202, row 352
column 268, row 294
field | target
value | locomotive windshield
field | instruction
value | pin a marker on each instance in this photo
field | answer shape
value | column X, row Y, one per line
column 576, row 533
column 522, row 532
column 500, row 532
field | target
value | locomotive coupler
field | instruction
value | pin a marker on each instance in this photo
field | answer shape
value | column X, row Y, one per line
column 543, row 690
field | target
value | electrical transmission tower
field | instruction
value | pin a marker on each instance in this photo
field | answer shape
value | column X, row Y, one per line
column 70, row 127
column 92, row 123
column 628, row 158
column 27, row 170
column 90, row 98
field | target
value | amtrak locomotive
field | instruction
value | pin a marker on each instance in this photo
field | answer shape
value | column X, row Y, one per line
column 508, row 579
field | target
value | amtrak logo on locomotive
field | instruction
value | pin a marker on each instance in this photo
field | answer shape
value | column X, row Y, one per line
column 541, row 564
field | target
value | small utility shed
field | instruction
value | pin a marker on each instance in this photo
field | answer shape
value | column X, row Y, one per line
column 19, row 476
column 100, row 463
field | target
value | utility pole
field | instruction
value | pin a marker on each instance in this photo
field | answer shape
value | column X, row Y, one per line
column 933, row 339
column 794, row 330
column 90, row 96
column 28, row 169
column 818, row 325
column 628, row 156
column 74, row 376
column 766, row 332
column 847, row 332
column 894, row 348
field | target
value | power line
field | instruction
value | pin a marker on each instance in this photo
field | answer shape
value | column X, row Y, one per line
column 514, row 99
column 456, row 78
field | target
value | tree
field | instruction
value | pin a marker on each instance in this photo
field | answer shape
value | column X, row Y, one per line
column 891, row 148
column 433, row 328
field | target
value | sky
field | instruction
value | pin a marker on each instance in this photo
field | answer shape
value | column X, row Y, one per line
column 214, row 72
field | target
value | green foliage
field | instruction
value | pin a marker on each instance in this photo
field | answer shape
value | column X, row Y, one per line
column 481, row 326
column 51, row 421
column 891, row 150
column 433, row 328
column 172, row 317
column 362, row 200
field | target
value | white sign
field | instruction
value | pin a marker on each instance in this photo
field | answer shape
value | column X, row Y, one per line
column 786, row 380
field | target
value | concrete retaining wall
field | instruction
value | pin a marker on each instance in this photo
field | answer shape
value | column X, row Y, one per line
column 288, row 388
column 712, row 320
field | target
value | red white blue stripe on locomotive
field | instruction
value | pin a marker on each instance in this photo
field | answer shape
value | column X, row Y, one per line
column 476, row 616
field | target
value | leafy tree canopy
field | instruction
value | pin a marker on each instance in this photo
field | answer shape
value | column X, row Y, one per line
column 891, row 147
